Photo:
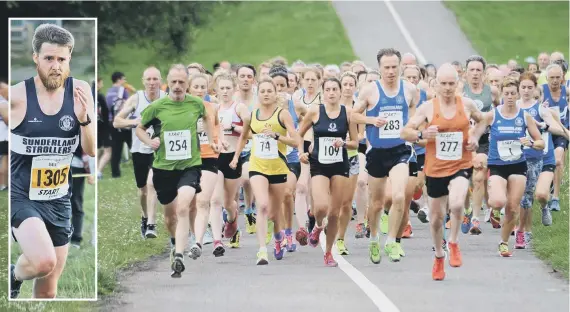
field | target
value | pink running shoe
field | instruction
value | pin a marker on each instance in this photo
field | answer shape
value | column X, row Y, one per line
column 302, row 236
column 314, row 236
column 520, row 241
column 329, row 260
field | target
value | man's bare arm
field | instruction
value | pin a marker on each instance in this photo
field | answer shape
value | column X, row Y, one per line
column 121, row 120
column 358, row 116
column 410, row 132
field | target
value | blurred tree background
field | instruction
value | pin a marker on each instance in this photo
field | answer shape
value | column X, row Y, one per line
column 165, row 26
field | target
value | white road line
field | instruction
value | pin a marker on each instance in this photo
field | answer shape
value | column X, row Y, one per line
column 379, row 299
column 419, row 55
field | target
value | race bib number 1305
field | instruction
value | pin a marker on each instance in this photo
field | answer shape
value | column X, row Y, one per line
column 49, row 177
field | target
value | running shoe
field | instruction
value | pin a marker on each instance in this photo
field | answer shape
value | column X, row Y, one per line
column 172, row 252
column 400, row 250
column 438, row 270
column 250, row 222
column 374, row 252
column 466, row 224
column 475, row 227
column 143, row 226
column 314, row 236
column 554, row 204
column 496, row 219
column 392, row 252
column 487, row 215
column 504, row 250
column 414, row 207
column 311, row 221
column 278, row 251
column 447, row 221
column 219, row 249
column 291, row 246
column 191, row 239
column 408, row 231
column 384, row 223
column 367, row 231
column 208, row 236
column 262, row 258
column 150, row 231
column 270, row 226
column 423, row 215
column 455, row 259
column 329, row 260
column 341, row 247
column 360, row 231
column 546, row 217
column 443, row 246
column 230, row 228
column 234, row 241
column 302, row 236
column 177, row 266
column 520, row 241
column 195, row 251
column 15, row 285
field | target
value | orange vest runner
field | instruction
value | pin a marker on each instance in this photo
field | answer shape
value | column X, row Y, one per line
column 205, row 149
column 446, row 154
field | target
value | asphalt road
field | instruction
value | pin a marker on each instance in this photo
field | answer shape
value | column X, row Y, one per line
column 430, row 30
column 300, row 282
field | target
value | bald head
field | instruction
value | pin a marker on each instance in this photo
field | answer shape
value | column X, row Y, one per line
column 556, row 56
column 151, row 71
column 151, row 79
column 447, row 79
column 409, row 59
column 447, row 72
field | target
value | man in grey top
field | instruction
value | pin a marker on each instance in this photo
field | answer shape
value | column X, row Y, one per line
column 485, row 97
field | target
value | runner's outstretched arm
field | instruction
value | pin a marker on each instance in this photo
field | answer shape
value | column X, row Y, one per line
column 410, row 132
column 83, row 106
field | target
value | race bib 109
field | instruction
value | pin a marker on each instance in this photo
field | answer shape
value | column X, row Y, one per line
column 328, row 153
column 177, row 145
column 49, row 177
column 393, row 126
column 265, row 147
column 449, row 145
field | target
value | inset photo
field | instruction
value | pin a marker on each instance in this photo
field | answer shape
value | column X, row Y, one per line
column 53, row 219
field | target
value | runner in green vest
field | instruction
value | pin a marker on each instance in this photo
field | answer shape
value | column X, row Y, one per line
column 176, row 166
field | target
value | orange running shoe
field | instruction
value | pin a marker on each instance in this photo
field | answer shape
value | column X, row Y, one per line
column 408, row 231
column 438, row 272
column 455, row 255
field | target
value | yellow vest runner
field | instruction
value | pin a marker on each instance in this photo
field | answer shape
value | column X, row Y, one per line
column 267, row 154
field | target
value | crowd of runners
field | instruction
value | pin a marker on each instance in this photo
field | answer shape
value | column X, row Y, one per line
column 305, row 148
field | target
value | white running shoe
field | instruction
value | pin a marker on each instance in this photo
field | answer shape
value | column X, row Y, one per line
column 208, row 236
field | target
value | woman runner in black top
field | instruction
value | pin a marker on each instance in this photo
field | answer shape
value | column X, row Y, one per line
column 329, row 160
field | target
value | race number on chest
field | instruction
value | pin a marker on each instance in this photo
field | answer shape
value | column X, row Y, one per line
column 177, row 145
column 49, row 177
column 449, row 145
column 509, row 150
column 328, row 153
column 265, row 147
column 393, row 126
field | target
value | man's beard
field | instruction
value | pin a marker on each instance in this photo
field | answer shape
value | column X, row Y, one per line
column 52, row 83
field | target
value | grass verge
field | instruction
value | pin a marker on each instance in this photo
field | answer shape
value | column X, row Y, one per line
column 78, row 279
column 120, row 243
column 250, row 32
column 501, row 30
column 550, row 243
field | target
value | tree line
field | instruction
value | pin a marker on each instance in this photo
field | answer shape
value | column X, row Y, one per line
column 166, row 26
